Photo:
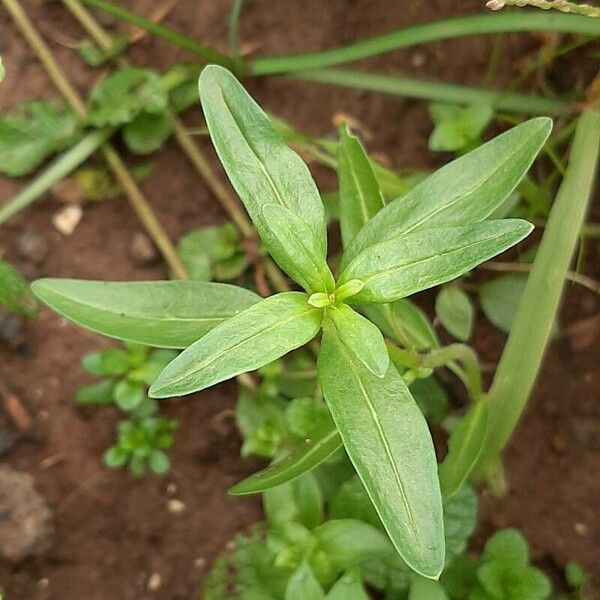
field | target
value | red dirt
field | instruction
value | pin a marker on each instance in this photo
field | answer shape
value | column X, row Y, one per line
column 113, row 532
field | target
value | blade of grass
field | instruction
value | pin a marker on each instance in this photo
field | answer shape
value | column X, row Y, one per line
column 428, row 32
column 524, row 351
column 208, row 53
column 57, row 170
column 434, row 90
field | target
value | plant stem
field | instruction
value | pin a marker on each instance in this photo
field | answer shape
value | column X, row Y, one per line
column 524, row 351
column 428, row 32
column 435, row 91
column 57, row 170
column 134, row 194
column 208, row 53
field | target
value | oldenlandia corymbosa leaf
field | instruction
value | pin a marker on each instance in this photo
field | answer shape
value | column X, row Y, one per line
column 163, row 314
column 465, row 191
column 425, row 589
column 288, row 238
column 312, row 452
column 360, row 197
column 361, row 338
column 387, row 439
column 256, row 336
column 261, row 167
column 464, row 448
column 410, row 263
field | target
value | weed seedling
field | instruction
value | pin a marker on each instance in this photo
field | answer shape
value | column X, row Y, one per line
column 432, row 235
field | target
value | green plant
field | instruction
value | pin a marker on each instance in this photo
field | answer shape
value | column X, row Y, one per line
column 15, row 292
column 433, row 235
column 125, row 376
column 457, row 128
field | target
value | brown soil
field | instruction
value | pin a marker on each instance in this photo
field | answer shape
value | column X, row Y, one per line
column 114, row 532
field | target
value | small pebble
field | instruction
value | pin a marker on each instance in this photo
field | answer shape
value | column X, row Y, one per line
column 418, row 60
column 175, row 506
column 142, row 251
column 154, row 582
column 581, row 529
column 67, row 219
column 200, row 563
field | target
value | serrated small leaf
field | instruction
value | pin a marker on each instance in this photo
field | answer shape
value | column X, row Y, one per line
column 507, row 546
column 32, row 133
column 460, row 520
column 256, row 336
column 261, row 167
column 465, row 191
column 167, row 314
column 122, row 96
column 456, row 312
column 403, row 266
column 312, row 452
column 361, row 338
column 381, row 425
column 360, row 197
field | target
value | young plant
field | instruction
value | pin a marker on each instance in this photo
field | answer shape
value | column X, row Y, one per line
column 126, row 374
column 458, row 129
column 432, row 235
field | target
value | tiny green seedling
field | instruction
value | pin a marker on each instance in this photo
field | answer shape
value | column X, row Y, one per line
column 432, row 235
column 458, row 129
column 126, row 374
column 15, row 292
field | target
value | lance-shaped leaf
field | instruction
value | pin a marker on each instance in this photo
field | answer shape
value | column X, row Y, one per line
column 467, row 190
column 257, row 336
column 163, row 314
column 312, row 452
column 388, row 441
column 361, row 338
column 360, row 197
column 261, row 167
column 288, row 238
column 464, row 448
column 403, row 266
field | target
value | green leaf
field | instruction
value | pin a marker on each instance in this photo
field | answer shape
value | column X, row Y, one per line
column 114, row 362
column 128, row 394
column 15, row 292
column 299, row 501
column 2, row 70
column 305, row 416
column 361, row 338
column 122, row 96
column 159, row 462
column 500, row 299
column 460, row 520
column 349, row 542
column 507, row 546
column 261, row 167
column 432, row 399
column 425, row 589
column 147, row 132
column 381, row 426
column 312, row 452
column 352, row 502
column 464, row 448
column 360, row 197
column 115, row 457
column 303, row 585
column 513, row 582
column 348, row 587
column 465, row 191
column 95, row 394
column 456, row 127
column 251, row 339
column 167, row 314
column 289, row 241
column 33, row 132
column 403, row 266
column 455, row 311
column 403, row 320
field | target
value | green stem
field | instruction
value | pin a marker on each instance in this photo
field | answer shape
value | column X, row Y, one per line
column 428, row 32
column 58, row 169
column 208, row 53
column 434, row 91
column 522, row 357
